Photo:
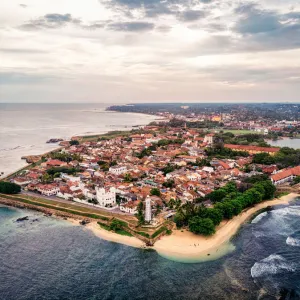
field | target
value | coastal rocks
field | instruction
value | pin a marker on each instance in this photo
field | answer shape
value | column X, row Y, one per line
column 64, row 144
column 84, row 222
column 22, row 219
column 54, row 141
column 32, row 158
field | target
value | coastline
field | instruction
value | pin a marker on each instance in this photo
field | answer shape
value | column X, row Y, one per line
column 180, row 246
column 109, row 235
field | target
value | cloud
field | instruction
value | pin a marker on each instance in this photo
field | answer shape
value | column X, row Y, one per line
column 12, row 78
column 21, row 50
column 130, row 26
column 255, row 20
column 51, row 21
column 191, row 15
column 150, row 8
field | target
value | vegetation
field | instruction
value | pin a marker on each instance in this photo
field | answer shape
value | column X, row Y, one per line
column 168, row 169
column 229, row 202
column 74, row 143
column 203, row 226
column 66, row 157
column 285, row 157
column 155, row 192
column 142, row 233
column 169, row 183
column 66, row 170
column 104, row 226
column 159, row 231
column 9, row 188
column 140, row 213
column 219, row 151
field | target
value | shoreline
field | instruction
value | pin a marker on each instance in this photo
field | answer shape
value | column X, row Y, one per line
column 180, row 246
column 110, row 236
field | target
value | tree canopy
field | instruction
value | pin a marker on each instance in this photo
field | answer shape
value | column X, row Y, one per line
column 9, row 188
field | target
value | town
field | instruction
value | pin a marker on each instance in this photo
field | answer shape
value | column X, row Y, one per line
column 154, row 173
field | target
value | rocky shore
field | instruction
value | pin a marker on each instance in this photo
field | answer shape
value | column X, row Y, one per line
column 45, row 210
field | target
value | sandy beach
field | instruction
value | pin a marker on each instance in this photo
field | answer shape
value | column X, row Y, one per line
column 109, row 235
column 185, row 245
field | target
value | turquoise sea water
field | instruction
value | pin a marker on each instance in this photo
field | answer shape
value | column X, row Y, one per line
column 45, row 258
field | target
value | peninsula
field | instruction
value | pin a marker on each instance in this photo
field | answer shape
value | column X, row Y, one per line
column 179, row 188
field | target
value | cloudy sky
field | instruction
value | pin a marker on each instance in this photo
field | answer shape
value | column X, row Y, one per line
column 121, row 51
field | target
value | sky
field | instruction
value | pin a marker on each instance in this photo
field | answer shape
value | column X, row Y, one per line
column 126, row 51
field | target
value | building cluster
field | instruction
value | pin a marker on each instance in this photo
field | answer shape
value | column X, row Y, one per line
column 152, row 167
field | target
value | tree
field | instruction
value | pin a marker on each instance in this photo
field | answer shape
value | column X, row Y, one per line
column 128, row 177
column 47, row 178
column 263, row 158
column 269, row 189
column 217, row 195
column 169, row 183
column 9, row 188
column 180, row 219
column 74, row 142
column 116, row 225
column 201, row 226
column 215, row 215
column 155, row 192
column 296, row 180
column 140, row 212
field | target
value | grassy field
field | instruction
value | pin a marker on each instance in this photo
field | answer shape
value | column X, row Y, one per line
column 108, row 135
column 238, row 131
column 70, row 208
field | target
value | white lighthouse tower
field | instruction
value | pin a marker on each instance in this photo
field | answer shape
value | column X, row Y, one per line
column 148, row 213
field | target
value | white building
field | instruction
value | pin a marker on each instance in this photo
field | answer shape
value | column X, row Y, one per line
column 118, row 170
column 106, row 198
column 69, row 177
column 148, row 211
column 48, row 189
column 130, row 207
column 209, row 139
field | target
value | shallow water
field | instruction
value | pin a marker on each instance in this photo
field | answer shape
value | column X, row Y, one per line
column 52, row 259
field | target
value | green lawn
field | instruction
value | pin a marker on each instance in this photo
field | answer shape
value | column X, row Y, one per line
column 238, row 131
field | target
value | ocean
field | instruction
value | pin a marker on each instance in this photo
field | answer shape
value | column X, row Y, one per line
column 25, row 128
column 46, row 258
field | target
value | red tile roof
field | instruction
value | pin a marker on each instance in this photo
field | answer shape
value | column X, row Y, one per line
column 252, row 148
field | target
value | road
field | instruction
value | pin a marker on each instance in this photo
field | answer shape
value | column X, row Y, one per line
column 116, row 211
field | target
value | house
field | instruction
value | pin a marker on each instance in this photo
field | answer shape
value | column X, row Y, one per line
column 118, row 170
column 55, row 163
column 69, row 177
column 252, row 149
column 130, row 207
column 209, row 139
column 106, row 197
column 285, row 175
column 22, row 181
column 48, row 189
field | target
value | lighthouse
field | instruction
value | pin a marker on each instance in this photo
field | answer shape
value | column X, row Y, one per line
column 148, row 213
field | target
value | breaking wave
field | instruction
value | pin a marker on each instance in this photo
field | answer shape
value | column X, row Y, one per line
column 273, row 264
column 291, row 210
column 291, row 241
column 259, row 217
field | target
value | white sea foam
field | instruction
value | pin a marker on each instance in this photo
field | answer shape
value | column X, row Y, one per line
column 291, row 241
column 259, row 217
column 271, row 265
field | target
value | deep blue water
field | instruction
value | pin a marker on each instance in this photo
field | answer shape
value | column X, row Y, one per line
column 52, row 259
